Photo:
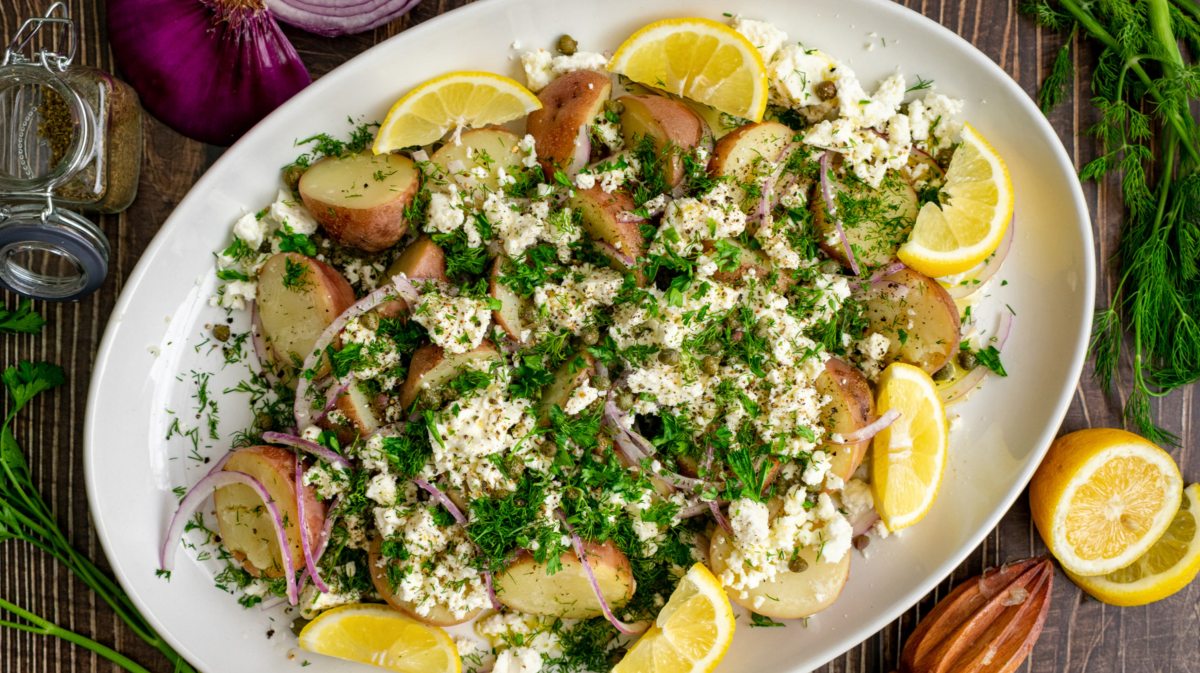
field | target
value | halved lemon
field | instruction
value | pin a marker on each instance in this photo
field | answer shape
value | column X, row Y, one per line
column 1102, row 498
column 977, row 206
column 375, row 634
column 1170, row 565
column 909, row 456
column 699, row 59
column 454, row 101
column 691, row 633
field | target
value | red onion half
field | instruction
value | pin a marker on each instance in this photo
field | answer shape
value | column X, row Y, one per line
column 210, row 69
column 339, row 17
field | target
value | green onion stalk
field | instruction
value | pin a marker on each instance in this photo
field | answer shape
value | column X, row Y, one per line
column 25, row 516
column 1144, row 86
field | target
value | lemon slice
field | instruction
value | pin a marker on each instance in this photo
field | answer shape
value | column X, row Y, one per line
column 977, row 207
column 1170, row 565
column 699, row 59
column 375, row 634
column 1102, row 498
column 691, row 633
column 909, row 456
column 454, row 101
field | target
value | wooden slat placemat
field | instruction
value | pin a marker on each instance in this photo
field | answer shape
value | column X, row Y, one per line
column 1081, row 634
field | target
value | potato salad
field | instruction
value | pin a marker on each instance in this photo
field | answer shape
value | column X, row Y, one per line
column 527, row 375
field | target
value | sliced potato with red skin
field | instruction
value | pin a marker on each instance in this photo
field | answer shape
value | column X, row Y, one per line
column 568, row 377
column 673, row 126
column 432, row 367
column 561, row 128
column 439, row 615
column 247, row 529
column 606, row 218
column 512, row 305
column 359, row 199
column 916, row 305
column 851, row 406
column 528, row 586
column 748, row 154
column 420, row 260
column 487, row 148
column 298, row 297
column 791, row 595
column 359, row 412
column 748, row 260
column 881, row 222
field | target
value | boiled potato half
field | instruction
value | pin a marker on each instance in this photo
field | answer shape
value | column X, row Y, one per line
column 439, row 615
column 246, row 528
column 672, row 125
column 851, row 406
column 526, row 585
column 876, row 221
column 432, row 367
column 917, row 315
column 298, row 297
column 560, row 129
column 568, row 377
column 510, row 316
column 491, row 149
column 605, row 219
column 791, row 595
column 359, row 199
column 749, row 154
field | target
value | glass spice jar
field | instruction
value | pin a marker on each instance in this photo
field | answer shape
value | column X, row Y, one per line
column 70, row 136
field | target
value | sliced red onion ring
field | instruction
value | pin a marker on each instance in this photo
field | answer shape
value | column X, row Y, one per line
column 933, row 162
column 970, row 286
column 609, row 250
column 577, row 543
column 715, row 507
column 313, row 448
column 310, row 564
column 302, row 408
column 261, row 351
column 327, row 529
column 870, row 429
column 827, row 195
column 637, row 450
column 491, row 589
column 629, row 216
column 864, row 522
column 331, row 397
column 443, row 500
column 769, row 195
column 583, row 152
column 693, row 510
column 196, row 497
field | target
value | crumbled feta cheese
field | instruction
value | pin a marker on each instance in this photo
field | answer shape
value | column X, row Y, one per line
column 765, row 36
column 572, row 303
column 290, row 213
column 541, row 67
column 252, row 229
column 750, row 523
column 471, row 431
column 581, row 398
column 457, row 324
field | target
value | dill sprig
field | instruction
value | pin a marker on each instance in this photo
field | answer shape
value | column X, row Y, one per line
column 1143, row 87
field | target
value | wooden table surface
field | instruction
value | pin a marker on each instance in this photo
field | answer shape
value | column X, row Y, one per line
column 1080, row 635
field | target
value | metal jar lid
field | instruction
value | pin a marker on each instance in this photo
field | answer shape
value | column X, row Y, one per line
column 57, row 255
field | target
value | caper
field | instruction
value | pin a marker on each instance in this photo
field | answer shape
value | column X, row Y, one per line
column 798, row 565
column 601, row 382
column 860, row 542
column 826, row 90
column 614, row 106
column 967, row 359
column 625, row 400
column 590, row 335
column 291, row 177
column 829, row 267
column 567, row 46
column 669, row 356
column 264, row 422
column 943, row 157
column 528, row 313
column 220, row 332
column 943, row 374
column 711, row 364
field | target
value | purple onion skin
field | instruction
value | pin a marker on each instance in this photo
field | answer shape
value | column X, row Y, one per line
column 209, row 69
column 332, row 18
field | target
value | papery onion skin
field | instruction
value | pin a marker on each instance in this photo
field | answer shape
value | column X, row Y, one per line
column 210, row 69
column 332, row 18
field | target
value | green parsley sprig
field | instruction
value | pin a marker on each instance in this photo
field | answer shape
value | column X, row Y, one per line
column 25, row 517
column 1145, row 90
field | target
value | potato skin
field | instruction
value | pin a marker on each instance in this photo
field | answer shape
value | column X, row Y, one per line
column 791, row 595
column 915, row 303
column 294, row 317
column 569, row 104
column 527, row 586
column 851, row 406
column 739, row 153
column 674, row 127
column 438, row 615
column 508, row 316
column 353, row 206
column 275, row 468
column 431, row 366
column 603, row 220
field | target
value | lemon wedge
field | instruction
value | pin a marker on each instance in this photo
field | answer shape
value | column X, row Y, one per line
column 699, row 59
column 977, row 206
column 375, row 634
column 1170, row 565
column 909, row 456
column 454, row 101
column 1102, row 498
column 691, row 633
